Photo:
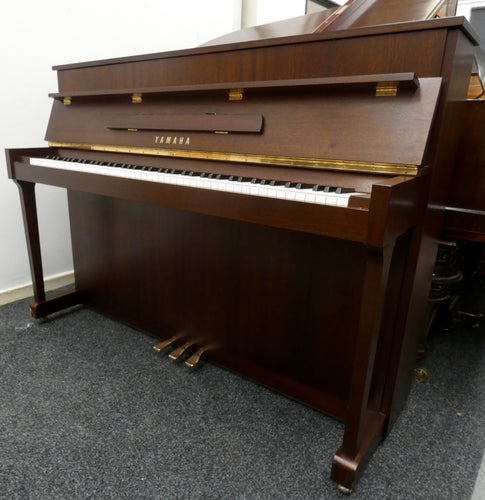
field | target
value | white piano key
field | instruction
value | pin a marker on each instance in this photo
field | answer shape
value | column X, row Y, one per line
column 196, row 181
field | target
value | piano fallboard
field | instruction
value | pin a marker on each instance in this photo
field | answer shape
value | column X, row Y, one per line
column 374, row 124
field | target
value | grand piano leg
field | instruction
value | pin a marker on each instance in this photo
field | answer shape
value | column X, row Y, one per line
column 364, row 425
column 40, row 306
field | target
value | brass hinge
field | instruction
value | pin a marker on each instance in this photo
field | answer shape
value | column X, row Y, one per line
column 66, row 100
column 136, row 98
column 236, row 94
column 386, row 89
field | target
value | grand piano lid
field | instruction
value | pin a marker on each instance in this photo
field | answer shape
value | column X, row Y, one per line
column 352, row 14
column 301, row 25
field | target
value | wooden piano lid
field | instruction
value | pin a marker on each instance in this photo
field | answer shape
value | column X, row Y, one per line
column 352, row 14
column 361, row 13
column 301, row 25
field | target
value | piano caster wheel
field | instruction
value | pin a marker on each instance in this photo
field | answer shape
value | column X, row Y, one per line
column 421, row 375
column 344, row 490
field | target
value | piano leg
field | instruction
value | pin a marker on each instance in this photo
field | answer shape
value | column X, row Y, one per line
column 364, row 425
column 40, row 306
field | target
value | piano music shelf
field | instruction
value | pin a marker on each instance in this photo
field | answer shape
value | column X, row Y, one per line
column 407, row 81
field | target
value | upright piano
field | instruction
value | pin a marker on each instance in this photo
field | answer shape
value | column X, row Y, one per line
column 270, row 204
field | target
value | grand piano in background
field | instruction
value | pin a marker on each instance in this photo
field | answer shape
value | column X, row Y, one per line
column 271, row 204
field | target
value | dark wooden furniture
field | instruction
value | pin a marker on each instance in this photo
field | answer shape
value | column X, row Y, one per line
column 322, row 303
column 465, row 207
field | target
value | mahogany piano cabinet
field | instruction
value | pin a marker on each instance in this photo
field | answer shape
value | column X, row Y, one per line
column 271, row 204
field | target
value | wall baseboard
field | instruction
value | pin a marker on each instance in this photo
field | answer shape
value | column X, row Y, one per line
column 50, row 283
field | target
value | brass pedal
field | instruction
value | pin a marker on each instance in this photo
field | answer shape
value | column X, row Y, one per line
column 193, row 361
column 180, row 350
column 165, row 343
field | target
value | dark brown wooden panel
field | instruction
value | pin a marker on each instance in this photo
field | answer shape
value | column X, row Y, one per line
column 352, row 53
column 348, row 125
column 468, row 186
column 187, row 122
column 282, row 300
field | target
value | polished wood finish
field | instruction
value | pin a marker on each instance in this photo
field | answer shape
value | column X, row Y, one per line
column 306, row 56
column 321, row 303
column 385, row 12
column 309, row 128
column 465, row 207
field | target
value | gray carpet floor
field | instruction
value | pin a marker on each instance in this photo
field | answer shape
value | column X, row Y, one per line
column 89, row 410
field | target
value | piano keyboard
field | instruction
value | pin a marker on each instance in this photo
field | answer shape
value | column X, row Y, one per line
column 268, row 188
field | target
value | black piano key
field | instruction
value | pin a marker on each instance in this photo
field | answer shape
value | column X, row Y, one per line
column 325, row 189
column 277, row 183
column 341, row 190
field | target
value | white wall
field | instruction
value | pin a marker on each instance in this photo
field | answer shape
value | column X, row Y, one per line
column 464, row 7
column 257, row 12
column 37, row 35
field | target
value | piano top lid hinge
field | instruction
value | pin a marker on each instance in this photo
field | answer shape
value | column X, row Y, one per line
column 66, row 100
column 386, row 89
column 136, row 98
column 236, row 94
